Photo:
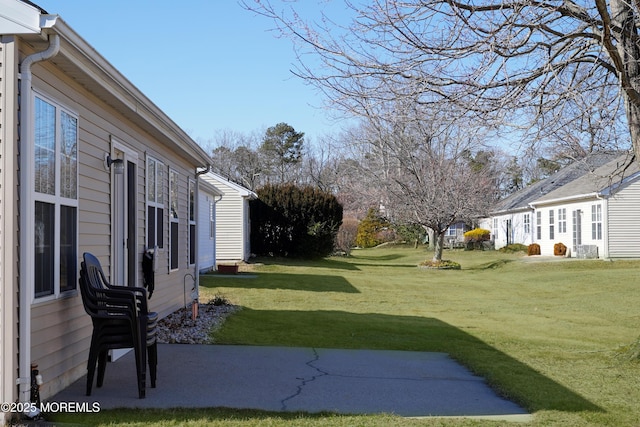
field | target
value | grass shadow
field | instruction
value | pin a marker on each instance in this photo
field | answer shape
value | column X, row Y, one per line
column 387, row 257
column 338, row 329
column 328, row 263
column 286, row 281
column 492, row 265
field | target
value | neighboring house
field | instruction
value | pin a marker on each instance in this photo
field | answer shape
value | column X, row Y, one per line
column 64, row 113
column 208, row 196
column 454, row 236
column 233, row 226
column 595, row 215
column 592, row 193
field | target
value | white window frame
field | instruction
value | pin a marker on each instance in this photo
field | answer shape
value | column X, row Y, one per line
column 552, row 233
column 156, row 203
column 495, row 229
column 527, row 224
column 174, row 219
column 56, row 199
column 596, row 222
column 562, row 220
column 538, row 225
column 212, row 219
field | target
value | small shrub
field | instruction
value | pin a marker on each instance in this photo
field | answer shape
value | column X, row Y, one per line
column 473, row 239
column 413, row 233
column 346, row 237
column 559, row 249
column 444, row 264
column 477, row 235
column 369, row 230
column 513, row 248
column 533, row 249
column 219, row 300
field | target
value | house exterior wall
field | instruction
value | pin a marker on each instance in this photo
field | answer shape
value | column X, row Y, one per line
column 510, row 228
column 233, row 225
column 60, row 328
column 8, row 222
column 230, row 226
column 622, row 223
column 579, row 228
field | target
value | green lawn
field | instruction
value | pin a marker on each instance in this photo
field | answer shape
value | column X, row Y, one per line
column 549, row 335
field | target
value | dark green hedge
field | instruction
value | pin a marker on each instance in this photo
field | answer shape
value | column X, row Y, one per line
column 292, row 221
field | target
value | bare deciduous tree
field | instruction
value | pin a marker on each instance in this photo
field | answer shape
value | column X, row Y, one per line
column 422, row 169
column 543, row 64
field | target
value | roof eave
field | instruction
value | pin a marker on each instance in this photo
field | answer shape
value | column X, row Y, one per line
column 594, row 195
column 98, row 76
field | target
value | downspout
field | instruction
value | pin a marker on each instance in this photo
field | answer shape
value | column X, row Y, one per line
column 605, row 225
column 27, row 215
column 196, row 283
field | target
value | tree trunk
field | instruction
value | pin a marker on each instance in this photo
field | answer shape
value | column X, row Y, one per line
column 432, row 239
column 439, row 241
column 624, row 24
column 633, row 118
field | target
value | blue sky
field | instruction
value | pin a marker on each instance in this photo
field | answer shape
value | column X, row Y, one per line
column 210, row 65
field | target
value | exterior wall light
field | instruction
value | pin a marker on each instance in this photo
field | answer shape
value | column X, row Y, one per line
column 118, row 164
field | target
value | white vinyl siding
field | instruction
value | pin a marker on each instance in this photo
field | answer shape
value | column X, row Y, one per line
column 232, row 219
column 622, row 223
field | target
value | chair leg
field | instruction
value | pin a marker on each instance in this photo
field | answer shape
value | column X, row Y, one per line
column 91, row 366
column 153, row 363
column 141, row 357
column 102, row 366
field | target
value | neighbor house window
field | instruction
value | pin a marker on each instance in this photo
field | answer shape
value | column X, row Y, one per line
column 562, row 220
column 527, row 224
column 173, row 220
column 55, row 169
column 539, row 225
column 212, row 219
column 192, row 222
column 596, row 222
column 155, row 203
column 551, row 225
column 495, row 229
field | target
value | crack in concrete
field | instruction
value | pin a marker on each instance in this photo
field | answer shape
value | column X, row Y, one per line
column 305, row 381
column 321, row 373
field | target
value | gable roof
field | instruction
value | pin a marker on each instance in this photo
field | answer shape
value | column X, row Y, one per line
column 521, row 200
column 219, row 181
column 602, row 182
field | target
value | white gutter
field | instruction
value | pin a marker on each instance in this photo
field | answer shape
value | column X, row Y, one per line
column 565, row 199
column 27, row 214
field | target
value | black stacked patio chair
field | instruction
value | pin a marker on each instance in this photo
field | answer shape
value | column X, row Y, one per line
column 121, row 319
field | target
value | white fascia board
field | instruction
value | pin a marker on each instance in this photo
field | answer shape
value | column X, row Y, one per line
column 209, row 187
column 566, row 199
column 522, row 209
column 242, row 191
column 17, row 17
